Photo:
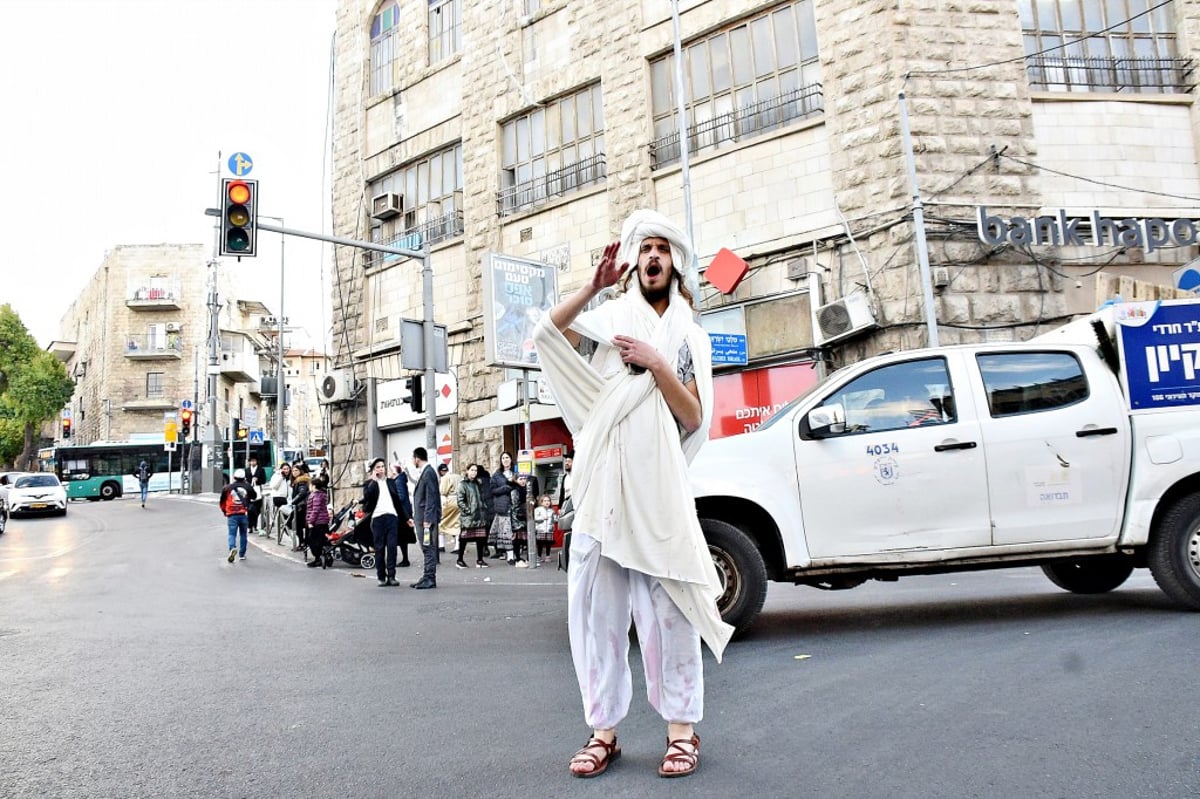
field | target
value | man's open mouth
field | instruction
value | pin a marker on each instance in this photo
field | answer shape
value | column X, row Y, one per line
column 653, row 270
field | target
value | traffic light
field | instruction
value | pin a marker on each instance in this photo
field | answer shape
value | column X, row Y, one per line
column 66, row 427
column 240, row 431
column 239, row 216
column 185, row 422
column 416, row 392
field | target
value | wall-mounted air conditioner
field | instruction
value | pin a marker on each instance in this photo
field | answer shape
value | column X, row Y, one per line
column 844, row 318
column 387, row 205
column 336, row 387
column 174, row 327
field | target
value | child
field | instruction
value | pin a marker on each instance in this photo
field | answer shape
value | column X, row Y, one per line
column 317, row 518
column 543, row 526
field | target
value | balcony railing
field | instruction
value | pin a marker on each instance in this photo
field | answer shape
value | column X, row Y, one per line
column 435, row 231
column 745, row 122
column 531, row 193
column 168, row 345
column 1124, row 75
column 156, row 297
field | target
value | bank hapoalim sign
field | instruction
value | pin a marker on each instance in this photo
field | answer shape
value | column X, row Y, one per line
column 517, row 293
column 1093, row 230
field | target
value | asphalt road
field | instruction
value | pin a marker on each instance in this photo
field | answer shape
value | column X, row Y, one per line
column 136, row 662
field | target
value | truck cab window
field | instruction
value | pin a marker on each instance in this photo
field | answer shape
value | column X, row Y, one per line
column 897, row 397
column 1028, row 382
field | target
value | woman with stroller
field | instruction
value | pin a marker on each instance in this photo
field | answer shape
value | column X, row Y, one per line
column 280, row 488
column 472, row 518
column 317, row 518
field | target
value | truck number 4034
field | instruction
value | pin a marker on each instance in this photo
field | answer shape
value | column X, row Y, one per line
column 882, row 449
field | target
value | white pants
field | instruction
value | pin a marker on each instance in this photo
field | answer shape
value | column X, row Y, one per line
column 602, row 596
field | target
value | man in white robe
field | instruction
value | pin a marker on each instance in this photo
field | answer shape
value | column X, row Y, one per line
column 638, row 412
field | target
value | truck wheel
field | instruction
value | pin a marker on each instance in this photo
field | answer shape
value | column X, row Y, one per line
column 1097, row 574
column 742, row 573
column 1174, row 553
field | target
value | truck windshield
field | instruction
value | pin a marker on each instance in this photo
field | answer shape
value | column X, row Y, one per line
column 786, row 409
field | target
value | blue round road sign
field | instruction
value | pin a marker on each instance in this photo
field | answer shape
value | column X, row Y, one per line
column 240, row 164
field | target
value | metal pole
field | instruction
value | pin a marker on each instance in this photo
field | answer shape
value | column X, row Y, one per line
column 210, row 482
column 280, row 382
column 427, row 331
column 918, row 213
column 530, row 532
column 681, row 106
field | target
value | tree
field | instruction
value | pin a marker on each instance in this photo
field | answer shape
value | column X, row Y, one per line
column 34, row 388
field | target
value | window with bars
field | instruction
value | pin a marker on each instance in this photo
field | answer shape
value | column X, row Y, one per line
column 432, row 199
column 384, row 27
column 755, row 76
column 552, row 150
column 1129, row 46
column 445, row 29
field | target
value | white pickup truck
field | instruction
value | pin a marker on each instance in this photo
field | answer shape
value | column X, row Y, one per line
column 1078, row 452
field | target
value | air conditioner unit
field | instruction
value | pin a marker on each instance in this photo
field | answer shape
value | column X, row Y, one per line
column 336, row 387
column 387, row 205
column 843, row 318
column 174, row 327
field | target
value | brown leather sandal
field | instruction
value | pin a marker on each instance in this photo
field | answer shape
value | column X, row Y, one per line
column 588, row 755
column 677, row 754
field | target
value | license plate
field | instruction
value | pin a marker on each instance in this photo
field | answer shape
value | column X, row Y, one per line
column 39, row 506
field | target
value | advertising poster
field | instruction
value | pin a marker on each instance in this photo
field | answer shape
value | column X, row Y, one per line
column 1160, row 353
column 518, row 292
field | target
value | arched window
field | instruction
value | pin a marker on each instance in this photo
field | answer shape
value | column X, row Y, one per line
column 383, row 49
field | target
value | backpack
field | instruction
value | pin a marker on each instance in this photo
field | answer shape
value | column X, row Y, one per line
column 233, row 501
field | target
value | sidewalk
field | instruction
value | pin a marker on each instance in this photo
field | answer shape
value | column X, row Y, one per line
column 498, row 571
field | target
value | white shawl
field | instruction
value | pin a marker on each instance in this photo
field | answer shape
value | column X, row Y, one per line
column 629, row 478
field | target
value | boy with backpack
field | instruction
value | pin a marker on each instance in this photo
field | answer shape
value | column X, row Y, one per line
column 235, row 502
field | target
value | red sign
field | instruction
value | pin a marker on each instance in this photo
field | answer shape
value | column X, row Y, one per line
column 745, row 400
column 548, row 452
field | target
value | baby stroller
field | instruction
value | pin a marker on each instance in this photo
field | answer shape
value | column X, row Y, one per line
column 347, row 540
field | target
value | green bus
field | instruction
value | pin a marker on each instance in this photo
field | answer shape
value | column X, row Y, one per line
column 104, row 470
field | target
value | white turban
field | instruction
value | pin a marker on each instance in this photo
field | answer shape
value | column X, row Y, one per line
column 644, row 224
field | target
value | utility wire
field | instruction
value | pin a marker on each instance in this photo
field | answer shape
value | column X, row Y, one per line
column 934, row 72
column 1101, row 182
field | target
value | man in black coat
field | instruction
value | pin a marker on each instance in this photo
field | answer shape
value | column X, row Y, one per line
column 382, row 503
column 427, row 513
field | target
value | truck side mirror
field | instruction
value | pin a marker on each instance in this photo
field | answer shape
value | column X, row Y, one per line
column 824, row 422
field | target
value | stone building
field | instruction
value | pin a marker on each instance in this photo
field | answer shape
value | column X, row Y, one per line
column 531, row 128
column 135, row 341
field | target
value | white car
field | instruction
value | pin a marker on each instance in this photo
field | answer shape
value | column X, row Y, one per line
column 37, row 493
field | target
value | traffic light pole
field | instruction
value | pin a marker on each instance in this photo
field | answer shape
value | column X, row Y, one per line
column 426, row 299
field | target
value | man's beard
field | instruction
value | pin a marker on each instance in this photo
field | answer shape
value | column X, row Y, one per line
column 654, row 295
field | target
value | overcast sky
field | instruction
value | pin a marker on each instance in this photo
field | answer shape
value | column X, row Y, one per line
column 116, row 116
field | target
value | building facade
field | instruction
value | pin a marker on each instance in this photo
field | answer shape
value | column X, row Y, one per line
column 136, row 342
column 532, row 128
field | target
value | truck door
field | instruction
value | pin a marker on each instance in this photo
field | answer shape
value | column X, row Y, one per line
column 906, row 472
column 1057, row 444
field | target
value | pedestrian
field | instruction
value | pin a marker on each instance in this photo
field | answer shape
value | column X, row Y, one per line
column 427, row 513
column 448, row 486
column 381, row 502
column 301, row 489
column 280, row 490
column 143, row 473
column 472, row 517
column 317, row 519
column 637, row 549
column 503, row 482
column 406, row 534
column 256, row 476
column 519, row 516
column 543, row 527
column 489, row 503
column 234, row 500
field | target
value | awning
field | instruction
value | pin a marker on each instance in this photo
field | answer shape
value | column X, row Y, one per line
column 537, row 413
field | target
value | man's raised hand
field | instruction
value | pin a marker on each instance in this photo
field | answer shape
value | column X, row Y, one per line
column 607, row 272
